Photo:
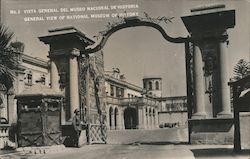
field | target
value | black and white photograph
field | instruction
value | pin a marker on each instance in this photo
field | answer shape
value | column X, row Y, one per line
column 124, row 79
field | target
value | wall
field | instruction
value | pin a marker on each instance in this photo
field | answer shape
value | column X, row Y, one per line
column 173, row 117
column 159, row 136
column 211, row 131
column 245, row 129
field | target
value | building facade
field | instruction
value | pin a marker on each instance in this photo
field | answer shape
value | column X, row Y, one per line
column 127, row 106
column 29, row 72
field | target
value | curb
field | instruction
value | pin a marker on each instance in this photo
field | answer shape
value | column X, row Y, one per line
column 42, row 149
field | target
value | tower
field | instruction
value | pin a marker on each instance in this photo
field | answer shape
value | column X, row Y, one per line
column 153, row 85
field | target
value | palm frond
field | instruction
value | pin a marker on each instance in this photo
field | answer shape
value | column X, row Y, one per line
column 5, row 37
column 241, row 69
column 7, row 58
column 6, row 76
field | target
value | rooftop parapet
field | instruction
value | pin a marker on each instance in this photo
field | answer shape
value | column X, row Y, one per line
column 210, row 8
column 66, row 35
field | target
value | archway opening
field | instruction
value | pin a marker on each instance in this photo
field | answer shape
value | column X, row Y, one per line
column 110, row 117
column 130, row 118
column 116, row 114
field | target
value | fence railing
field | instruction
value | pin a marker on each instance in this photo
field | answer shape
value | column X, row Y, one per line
column 4, row 135
column 97, row 134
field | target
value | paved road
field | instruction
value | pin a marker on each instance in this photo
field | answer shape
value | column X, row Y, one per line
column 123, row 152
column 140, row 152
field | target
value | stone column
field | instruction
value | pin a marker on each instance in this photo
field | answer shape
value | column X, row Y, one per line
column 122, row 120
column 152, row 120
column 199, row 90
column 73, row 81
column 114, row 89
column 224, row 79
column 148, row 119
column 118, row 122
column 144, row 118
column 156, row 119
column 54, row 76
column 140, row 118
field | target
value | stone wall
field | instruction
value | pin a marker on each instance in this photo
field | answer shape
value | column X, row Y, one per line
column 174, row 135
column 173, row 117
column 211, row 131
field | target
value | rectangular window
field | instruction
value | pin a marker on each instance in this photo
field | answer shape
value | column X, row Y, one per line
column 43, row 79
column 111, row 90
column 122, row 92
column 118, row 92
column 29, row 77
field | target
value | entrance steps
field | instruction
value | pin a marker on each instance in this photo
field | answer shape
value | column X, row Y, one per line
column 156, row 136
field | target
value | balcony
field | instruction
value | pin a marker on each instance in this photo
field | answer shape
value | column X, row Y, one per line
column 136, row 101
column 113, row 100
column 131, row 101
column 139, row 101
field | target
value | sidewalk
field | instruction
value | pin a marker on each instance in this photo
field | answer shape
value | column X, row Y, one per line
column 148, row 151
column 216, row 151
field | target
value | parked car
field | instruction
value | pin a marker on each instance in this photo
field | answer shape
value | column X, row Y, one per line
column 168, row 125
column 3, row 120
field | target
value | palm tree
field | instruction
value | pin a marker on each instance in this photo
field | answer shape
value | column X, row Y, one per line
column 241, row 69
column 7, row 58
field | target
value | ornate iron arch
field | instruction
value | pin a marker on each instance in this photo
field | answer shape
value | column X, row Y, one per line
column 135, row 22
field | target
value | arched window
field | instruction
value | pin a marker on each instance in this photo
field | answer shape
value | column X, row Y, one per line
column 115, row 116
column 150, row 85
column 157, row 85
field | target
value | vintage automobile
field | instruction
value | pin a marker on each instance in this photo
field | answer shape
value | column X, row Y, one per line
column 3, row 120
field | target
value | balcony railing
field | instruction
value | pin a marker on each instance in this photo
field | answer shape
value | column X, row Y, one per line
column 113, row 100
column 139, row 101
column 132, row 101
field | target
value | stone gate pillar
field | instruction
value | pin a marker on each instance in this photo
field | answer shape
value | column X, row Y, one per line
column 211, row 120
column 64, row 48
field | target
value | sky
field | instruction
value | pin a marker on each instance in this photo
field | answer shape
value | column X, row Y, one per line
column 137, row 51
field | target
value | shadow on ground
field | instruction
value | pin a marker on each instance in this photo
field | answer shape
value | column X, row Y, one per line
column 158, row 143
column 218, row 152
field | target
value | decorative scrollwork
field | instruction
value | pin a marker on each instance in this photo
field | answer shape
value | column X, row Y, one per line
column 135, row 21
column 158, row 19
column 209, row 65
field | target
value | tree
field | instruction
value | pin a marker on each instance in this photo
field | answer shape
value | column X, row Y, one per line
column 241, row 69
column 7, row 58
column 17, row 46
